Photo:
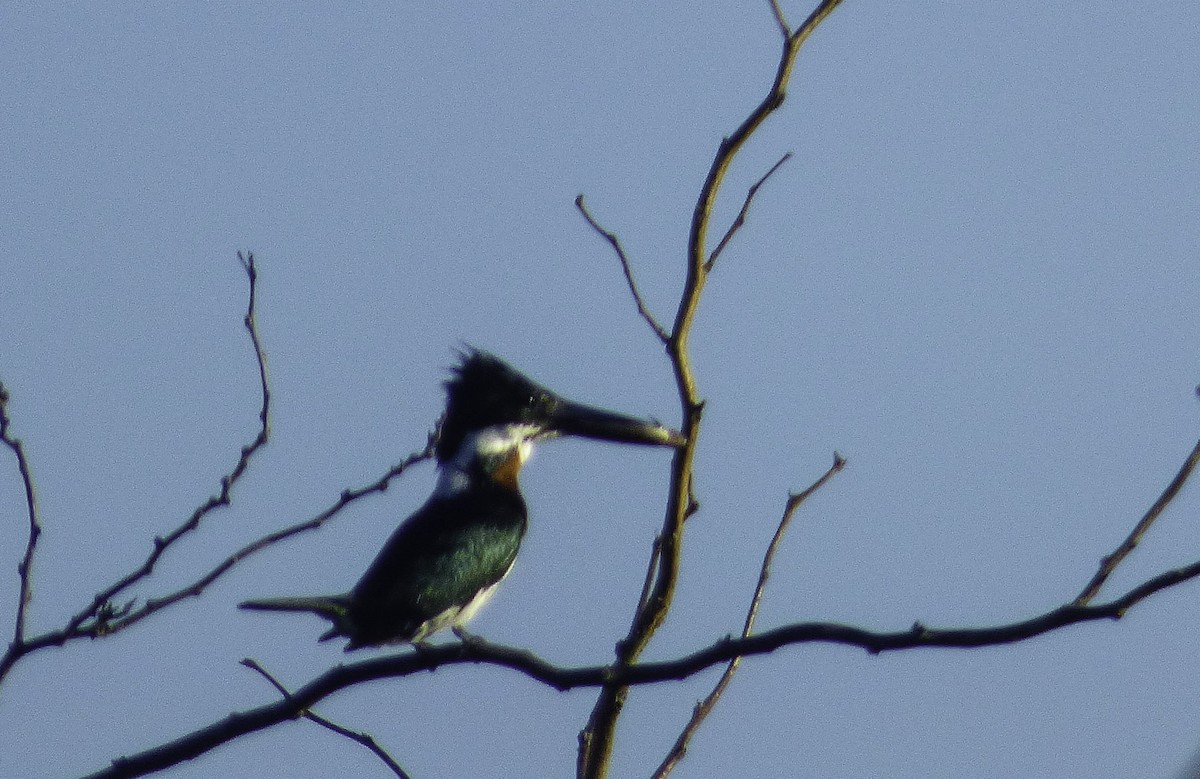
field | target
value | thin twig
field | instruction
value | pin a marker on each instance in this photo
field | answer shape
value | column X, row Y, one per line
column 119, row 619
column 1110, row 563
column 25, row 567
column 101, row 615
column 364, row 739
column 112, row 619
column 597, row 738
column 784, row 29
column 705, row 707
column 741, row 217
column 648, row 582
column 98, row 615
column 477, row 650
column 642, row 308
column 347, row 497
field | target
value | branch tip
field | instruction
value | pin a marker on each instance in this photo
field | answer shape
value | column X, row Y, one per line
column 740, row 219
column 626, row 268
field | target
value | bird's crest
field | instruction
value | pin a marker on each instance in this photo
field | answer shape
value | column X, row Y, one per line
column 485, row 391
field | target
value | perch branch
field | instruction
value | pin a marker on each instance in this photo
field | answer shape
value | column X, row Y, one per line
column 724, row 650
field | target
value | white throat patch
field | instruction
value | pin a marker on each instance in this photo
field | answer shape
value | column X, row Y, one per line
column 455, row 476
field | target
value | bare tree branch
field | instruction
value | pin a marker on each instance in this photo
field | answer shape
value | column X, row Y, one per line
column 101, row 616
column 364, row 739
column 25, row 567
column 724, row 650
column 642, row 308
column 1110, row 563
column 784, row 29
column 347, row 497
column 93, row 613
column 741, row 217
column 596, row 739
column 704, row 708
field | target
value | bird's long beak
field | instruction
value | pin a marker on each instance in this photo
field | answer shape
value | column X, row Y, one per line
column 568, row 418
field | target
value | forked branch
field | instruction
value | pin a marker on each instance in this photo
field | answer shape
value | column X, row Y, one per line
column 102, row 616
column 98, row 618
column 363, row 739
column 705, row 707
column 596, row 739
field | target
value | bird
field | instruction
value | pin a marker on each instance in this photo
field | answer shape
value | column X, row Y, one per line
column 445, row 561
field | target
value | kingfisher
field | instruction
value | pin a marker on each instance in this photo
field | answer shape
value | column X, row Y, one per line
column 442, row 564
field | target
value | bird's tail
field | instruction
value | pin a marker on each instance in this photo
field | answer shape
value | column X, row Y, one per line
column 335, row 608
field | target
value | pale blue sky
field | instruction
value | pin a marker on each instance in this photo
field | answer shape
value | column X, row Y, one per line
column 977, row 278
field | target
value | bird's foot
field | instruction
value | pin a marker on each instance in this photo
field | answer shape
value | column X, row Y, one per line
column 422, row 647
column 469, row 640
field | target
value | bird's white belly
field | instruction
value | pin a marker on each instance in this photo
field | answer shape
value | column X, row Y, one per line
column 459, row 615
